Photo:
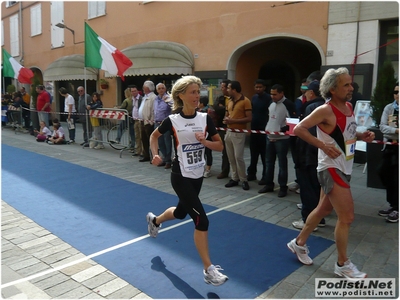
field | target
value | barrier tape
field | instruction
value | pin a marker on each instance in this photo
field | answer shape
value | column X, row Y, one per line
column 109, row 114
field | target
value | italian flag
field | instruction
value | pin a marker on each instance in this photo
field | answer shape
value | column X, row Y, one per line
column 101, row 55
column 11, row 68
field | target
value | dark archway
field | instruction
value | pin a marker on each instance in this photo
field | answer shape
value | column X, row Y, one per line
column 283, row 60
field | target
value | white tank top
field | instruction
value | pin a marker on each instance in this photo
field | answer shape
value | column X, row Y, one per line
column 343, row 137
column 190, row 151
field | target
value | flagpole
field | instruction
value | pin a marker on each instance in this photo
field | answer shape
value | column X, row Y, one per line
column 86, row 115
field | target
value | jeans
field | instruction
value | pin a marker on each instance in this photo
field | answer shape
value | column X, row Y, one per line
column 165, row 144
column 44, row 116
column 310, row 189
column 258, row 146
column 277, row 148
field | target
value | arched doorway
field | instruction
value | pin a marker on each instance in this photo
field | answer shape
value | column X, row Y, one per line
column 276, row 59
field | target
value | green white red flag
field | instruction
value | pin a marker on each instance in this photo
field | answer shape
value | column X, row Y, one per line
column 11, row 68
column 101, row 55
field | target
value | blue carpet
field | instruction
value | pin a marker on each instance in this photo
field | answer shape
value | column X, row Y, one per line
column 92, row 211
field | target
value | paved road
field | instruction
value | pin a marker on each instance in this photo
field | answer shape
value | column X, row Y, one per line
column 29, row 250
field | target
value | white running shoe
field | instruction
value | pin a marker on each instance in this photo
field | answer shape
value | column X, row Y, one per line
column 207, row 173
column 299, row 205
column 300, row 251
column 153, row 229
column 300, row 224
column 214, row 276
column 349, row 270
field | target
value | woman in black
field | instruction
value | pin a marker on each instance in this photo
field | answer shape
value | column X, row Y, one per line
column 189, row 130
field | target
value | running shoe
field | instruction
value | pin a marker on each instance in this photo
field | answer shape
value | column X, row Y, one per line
column 300, row 224
column 207, row 173
column 214, row 276
column 349, row 270
column 300, row 251
column 153, row 229
column 385, row 212
column 393, row 217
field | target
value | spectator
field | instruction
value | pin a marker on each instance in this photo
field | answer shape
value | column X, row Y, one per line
column 128, row 105
column 43, row 104
column 146, row 115
column 238, row 115
column 307, row 161
column 277, row 145
column 220, row 109
column 95, row 122
column 389, row 169
column 336, row 138
column 84, row 100
column 300, row 100
column 69, row 108
column 259, row 104
column 18, row 102
column 136, row 102
column 25, row 96
column 204, row 108
column 58, row 136
column 43, row 134
column 162, row 109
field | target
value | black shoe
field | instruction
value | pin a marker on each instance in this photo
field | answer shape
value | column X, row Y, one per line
column 262, row 182
column 266, row 189
column 232, row 183
column 385, row 212
column 144, row 159
column 82, row 143
column 282, row 193
column 245, row 185
column 134, row 154
column 162, row 164
column 86, row 145
column 251, row 177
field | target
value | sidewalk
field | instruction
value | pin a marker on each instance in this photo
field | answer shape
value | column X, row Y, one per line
column 28, row 249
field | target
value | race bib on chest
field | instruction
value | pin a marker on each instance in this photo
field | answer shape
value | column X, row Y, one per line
column 193, row 156
column 350, row 149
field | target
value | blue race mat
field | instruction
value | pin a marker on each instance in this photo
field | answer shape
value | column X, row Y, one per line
column 92, row 211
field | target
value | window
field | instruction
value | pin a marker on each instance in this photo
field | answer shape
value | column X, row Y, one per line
column 390, row 51
column 14, row 36
column 96, row 9
column 10, row 3
column 57, row 16
column 36, row 20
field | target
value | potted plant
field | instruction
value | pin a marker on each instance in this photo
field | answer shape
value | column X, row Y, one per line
column 103, row 83
column 382, row 95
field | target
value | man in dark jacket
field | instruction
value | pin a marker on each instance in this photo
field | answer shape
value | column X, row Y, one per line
column 307, row 161
column 258, row 143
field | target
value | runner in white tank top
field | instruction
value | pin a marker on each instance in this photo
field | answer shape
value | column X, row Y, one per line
column 336, row 136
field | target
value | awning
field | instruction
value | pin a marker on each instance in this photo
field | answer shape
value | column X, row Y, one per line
column 69, row 68
column 159, row 57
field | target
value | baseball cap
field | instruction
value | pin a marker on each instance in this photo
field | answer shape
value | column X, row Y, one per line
column 314, row 86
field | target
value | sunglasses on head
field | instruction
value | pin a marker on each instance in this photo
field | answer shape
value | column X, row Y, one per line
column 395, row 92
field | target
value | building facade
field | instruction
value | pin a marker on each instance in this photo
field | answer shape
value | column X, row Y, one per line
column 280, row 42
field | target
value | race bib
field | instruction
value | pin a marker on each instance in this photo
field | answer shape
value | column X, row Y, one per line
column 350, row 149
column 193, row 156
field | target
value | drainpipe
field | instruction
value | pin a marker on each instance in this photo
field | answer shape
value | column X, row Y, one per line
column 20, row 33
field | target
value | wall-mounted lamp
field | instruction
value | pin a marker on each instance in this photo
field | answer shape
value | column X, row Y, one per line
column 63, row 26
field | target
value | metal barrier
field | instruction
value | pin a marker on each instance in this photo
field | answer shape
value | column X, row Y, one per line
column 110, row 126
column 12, row 116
